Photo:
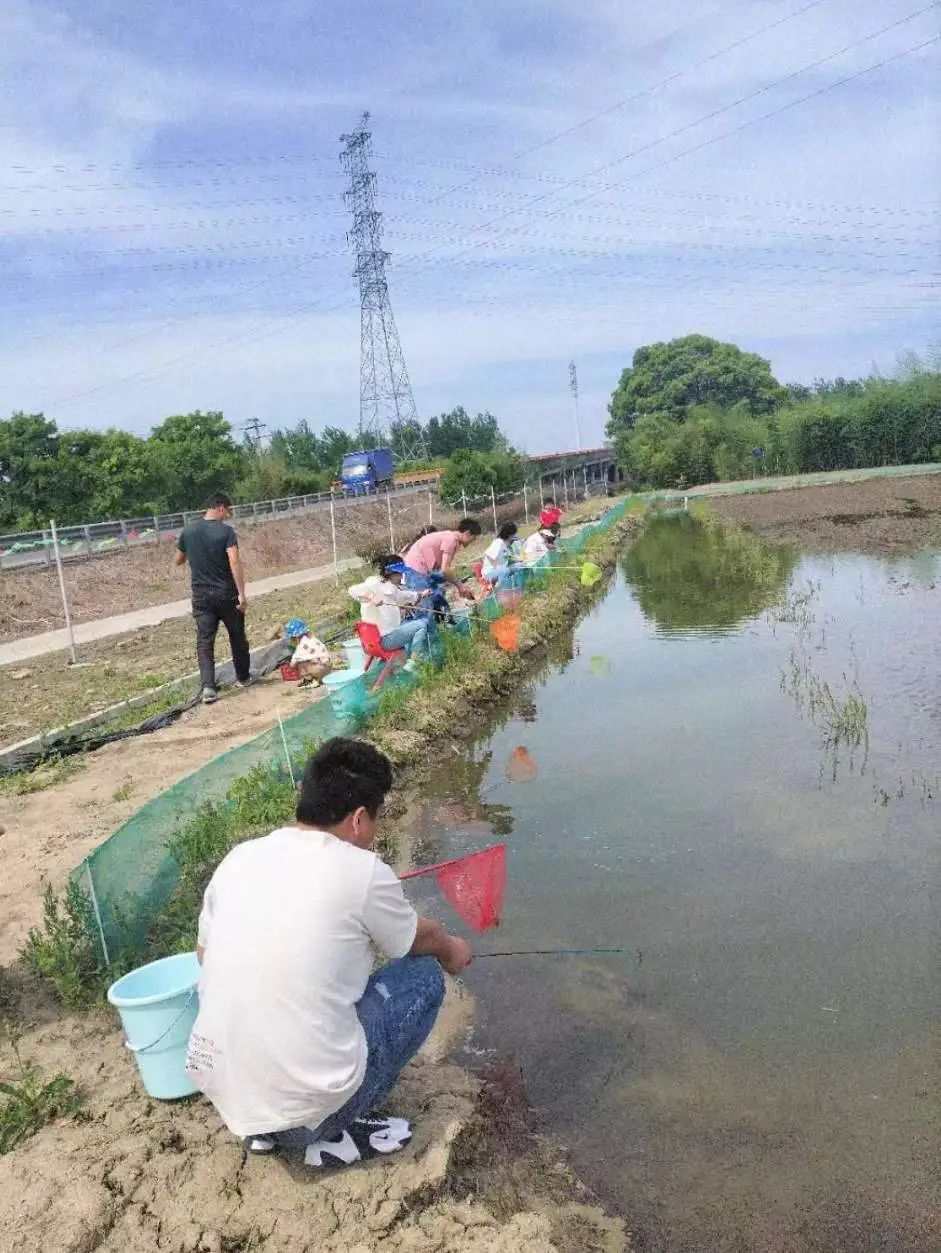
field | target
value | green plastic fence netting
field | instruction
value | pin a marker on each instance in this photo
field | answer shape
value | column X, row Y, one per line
column 131, row 876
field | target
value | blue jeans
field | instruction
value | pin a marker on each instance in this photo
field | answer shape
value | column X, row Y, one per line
column 417, row 582
column 415, row 636
column 397, row 1011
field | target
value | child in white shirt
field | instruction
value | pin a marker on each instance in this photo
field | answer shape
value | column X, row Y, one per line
column 311, row 657
column 497, row 559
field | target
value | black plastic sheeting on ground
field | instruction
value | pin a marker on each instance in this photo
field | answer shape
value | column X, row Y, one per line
column 97, row 737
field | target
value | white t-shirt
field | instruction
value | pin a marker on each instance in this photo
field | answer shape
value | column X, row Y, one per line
column 286, row 925
column 380, row 602
column 495, row 557
column 535, row 547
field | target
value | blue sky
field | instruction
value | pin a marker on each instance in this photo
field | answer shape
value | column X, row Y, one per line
column 173, row 229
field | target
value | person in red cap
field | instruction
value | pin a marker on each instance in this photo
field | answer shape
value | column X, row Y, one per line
column 549, row 516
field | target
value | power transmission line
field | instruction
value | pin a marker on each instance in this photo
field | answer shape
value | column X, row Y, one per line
column 573, row 388
column 385, row 393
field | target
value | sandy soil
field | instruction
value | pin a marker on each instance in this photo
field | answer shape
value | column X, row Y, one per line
column 41, row 694
column 136, row 1176
column 47, row 692
column 876, row 516
column 123, row 581
column 48, row 833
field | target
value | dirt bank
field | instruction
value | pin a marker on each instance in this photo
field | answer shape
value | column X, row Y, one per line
column 46, row 692
column 124, row 581
column 137, row 1176
column 887, row 515
column 49, row 832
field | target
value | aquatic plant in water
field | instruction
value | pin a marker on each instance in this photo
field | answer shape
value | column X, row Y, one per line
column 844, row 721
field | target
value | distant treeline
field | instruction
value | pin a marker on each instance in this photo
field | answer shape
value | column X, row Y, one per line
column 695, row 410
column 80, row 476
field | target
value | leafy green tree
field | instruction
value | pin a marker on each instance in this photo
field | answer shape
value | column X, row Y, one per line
column 474, row 473
column 29, row 447
column 457, row 430
column 335, row 444
column 196, row 454
column 299, row 448
column 403, row 436
column 671, row 378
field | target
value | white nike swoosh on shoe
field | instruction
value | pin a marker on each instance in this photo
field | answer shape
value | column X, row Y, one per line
column 388, row 1141
column 343, row 1149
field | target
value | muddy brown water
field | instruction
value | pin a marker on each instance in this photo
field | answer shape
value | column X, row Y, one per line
column 758, row 1071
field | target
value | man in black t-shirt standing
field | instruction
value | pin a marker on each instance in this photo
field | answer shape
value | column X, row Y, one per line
column 211, row 547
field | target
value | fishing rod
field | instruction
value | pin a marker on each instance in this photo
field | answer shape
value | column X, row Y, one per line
column 548, row 952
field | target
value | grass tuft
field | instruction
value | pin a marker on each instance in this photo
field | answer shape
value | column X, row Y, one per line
column 30, row 1101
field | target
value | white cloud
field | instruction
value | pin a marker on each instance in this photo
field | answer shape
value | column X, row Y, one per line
column 755, row 237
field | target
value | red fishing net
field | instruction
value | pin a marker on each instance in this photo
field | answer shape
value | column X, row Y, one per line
column 473, row 885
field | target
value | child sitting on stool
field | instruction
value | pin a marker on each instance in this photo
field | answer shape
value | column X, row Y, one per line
column 311, row 658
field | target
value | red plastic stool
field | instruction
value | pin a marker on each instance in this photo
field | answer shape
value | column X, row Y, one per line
column 370, row 639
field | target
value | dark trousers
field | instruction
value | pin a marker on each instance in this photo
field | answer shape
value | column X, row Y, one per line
column 209, row 611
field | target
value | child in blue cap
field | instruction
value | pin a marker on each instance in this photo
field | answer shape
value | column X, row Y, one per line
column 311, row 657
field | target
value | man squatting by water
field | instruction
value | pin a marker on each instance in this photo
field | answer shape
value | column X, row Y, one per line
column 296, row 1044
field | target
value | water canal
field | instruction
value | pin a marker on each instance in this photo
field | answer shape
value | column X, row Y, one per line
column 738, row 760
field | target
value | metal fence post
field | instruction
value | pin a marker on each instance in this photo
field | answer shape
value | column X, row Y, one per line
column 87, row 533
column 526, row 503
column 464, row 502
column 389, row 510
column 65, row 599
column 333, row 536
column 45, row 548
column 565, row 488
column 493, row 506
column 585, row 477
column 157, row 529
column 123, row 525
column 542, row 499
column 431, row 509
column 555, row 498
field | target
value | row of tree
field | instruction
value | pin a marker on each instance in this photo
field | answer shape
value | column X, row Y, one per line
column 82, row 475
column 695, row 410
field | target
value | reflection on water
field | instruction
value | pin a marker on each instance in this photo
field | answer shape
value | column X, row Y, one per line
column 693, row 573
column 758, row 1070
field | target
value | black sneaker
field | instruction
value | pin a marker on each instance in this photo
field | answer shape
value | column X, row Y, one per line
column 243, row 683
column 209, row 695
column 366, row 1138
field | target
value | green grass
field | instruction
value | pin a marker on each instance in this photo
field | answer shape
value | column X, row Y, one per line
column 54, row 771
column 30, row 1101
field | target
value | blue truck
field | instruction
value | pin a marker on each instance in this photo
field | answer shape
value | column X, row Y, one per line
column 366, row 471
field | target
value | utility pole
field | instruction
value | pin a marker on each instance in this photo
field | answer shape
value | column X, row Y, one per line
column 253, row 432
column 385, row 393
column 573, row 388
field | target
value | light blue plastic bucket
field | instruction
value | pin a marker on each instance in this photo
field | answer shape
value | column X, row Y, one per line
column 158, row 1004
column 355, row 657
column 347, row 692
